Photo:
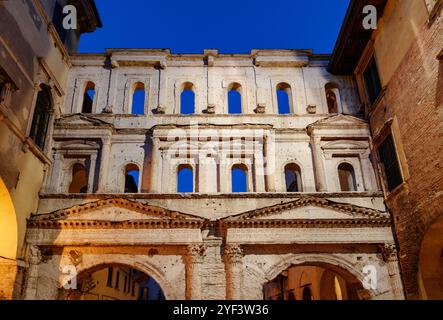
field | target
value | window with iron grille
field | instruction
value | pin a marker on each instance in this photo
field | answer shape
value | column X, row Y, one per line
column 388, row 158
column 372, row 81
column 40, row 120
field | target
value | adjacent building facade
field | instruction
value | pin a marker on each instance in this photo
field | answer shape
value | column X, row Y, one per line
column 34, row 66
column 398, row 68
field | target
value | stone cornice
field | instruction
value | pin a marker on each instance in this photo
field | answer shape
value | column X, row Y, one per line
column 307, row 223
column 161, row 218
column 135, row 206
column 254, row 195
column 352, row 210
column 130, row 224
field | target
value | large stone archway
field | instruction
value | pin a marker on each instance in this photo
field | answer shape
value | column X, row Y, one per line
column 8, row 243
column 89, row 265
column 330, row 263
column 430, row 275
column 260, row 269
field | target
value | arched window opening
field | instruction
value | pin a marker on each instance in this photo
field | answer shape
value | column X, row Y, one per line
column 332, row 97
column 88, row 97
column 293, row 178
column 307, row 295
column 234, row 99
column 346, row 176
column 284, row 98
column 138, row 99
column 40, row 119
column 239, row 177
column 187, row 99
column 185, row 179
column 132, row 174
column 79, row 182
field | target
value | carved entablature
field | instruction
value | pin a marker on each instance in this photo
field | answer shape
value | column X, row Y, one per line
column 115, row 213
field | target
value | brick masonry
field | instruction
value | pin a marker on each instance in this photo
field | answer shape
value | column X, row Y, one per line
column 414, row 98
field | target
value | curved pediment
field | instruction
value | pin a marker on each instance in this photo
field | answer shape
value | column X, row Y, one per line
column 311, row 209
column 116, row 210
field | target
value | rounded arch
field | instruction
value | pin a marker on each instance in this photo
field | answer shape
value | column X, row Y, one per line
column 89, row 97
column 346, row 176
column 336, row 264
column 137, row 98
column 8, row 224
column 430, row 266
column 235, row 98
column 131, row 175
column 88, row 266
column 284, row 98
column 79, row 178
column 186, row 178
column 332, row 94
column 295, row 168
column 240, row 177
column 187, row 85
column 187, row 98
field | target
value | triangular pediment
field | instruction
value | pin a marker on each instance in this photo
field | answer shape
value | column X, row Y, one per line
column 115, row 210
column 341, row 120
column 81, row 119
column 310, row 209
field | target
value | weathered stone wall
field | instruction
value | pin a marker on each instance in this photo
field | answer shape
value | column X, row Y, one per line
column 211, row 243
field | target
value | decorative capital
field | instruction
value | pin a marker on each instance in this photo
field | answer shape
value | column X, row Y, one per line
column 234, row 252
column 196, row 251
column 388, row 251
column 35, row 255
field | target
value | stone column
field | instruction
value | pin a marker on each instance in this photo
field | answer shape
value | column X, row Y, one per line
column 195, row 255
column 35, row 258
column 234, row 271
column 368, row 173
column 269, row 162
column 49, row 141
column 155, row 166
column 389, row 254
column 104, row 162
column 54, row 182
column 211, row 175
column 319, row 168
column 163, row 93
column 260, row 185
column 91, row 173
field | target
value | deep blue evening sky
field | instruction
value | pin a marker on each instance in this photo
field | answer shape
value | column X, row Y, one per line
column 228, row 25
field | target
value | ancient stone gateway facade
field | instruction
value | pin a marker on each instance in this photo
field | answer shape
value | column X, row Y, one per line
column 311, row 196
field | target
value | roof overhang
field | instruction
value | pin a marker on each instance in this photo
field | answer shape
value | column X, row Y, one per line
column 353, row 38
